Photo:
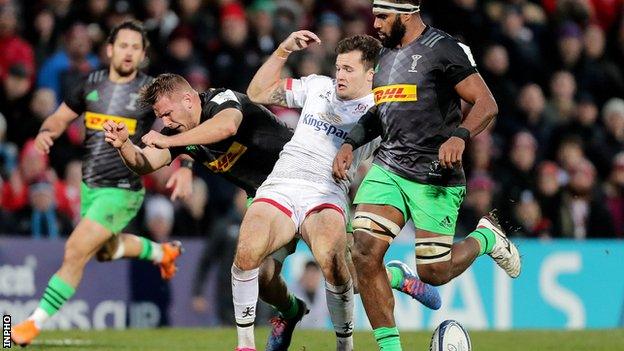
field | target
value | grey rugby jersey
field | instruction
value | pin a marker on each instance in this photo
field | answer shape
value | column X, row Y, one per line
column 418, row 105
column 98, row 99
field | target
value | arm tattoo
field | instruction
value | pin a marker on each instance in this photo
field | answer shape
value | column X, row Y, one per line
column 278, row 97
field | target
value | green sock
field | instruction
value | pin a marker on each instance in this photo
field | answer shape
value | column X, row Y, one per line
column 292, row 309
column 397, row 277
column 388, row 339
column 55, row 295
column 146, row 249
column 486, row 239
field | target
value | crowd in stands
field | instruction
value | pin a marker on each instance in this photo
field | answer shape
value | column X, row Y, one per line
column 552, row 163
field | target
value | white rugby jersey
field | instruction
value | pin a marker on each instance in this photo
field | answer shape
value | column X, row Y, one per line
column 322, row 128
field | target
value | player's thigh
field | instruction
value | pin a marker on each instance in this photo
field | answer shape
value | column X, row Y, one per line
column 325, row 232
column 434, row 209
column 264, row 229
column 380, row 194
column 112, row 208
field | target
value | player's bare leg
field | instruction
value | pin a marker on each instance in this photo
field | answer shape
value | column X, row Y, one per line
column 133, row 246
column 264, row 229
column 86, row 239
column 325, row 233
column 370, row 246
column 488, row 238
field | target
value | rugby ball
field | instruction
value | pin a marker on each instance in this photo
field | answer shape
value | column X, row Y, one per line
column 450, row 336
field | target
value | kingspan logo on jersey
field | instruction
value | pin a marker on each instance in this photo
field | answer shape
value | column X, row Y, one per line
column 322, row 126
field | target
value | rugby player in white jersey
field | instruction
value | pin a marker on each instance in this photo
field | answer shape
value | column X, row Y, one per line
column 300, row 196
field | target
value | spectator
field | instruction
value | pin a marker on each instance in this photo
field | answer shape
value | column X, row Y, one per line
column 62, row 71
column 33, row 167
column 519, row 40
column 598, row 73
column 570, row 152
column 548, row 193
column 561, row 106
column 159, row 24
column 478, row 203
column 518, row 173
column 531, row 116
column 583, row 126
column 180, row 53
column 190, row 217
column 613, row 142
column 8, row 152
column 584, row 213
column 235, row 53
column 614, row 190
column 14, row 99
column 44, row 35
column 13, row 48
column 146, row 285
column 480, row 155
column 330, row 32
column 528, row 217
column 311, row 289
column 570, row 46
column 496, row 73
column 41, row 217
column 262, row 22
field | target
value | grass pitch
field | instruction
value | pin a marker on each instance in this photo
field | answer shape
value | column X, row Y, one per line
column 306, row 340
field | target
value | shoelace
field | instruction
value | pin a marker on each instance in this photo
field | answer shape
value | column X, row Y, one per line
column 412, row 286
column 279, row 324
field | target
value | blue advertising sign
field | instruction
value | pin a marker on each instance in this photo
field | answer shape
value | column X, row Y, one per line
column 563, row 285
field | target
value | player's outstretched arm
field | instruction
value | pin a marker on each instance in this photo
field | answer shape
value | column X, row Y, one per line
column 266, row 87
column 140, row 161
column 53, row 127
column 220, row 127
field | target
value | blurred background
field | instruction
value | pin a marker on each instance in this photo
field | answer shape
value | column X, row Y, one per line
column 552, row 164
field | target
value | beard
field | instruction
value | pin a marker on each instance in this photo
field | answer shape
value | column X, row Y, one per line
column 397, row 31
column 123, row 72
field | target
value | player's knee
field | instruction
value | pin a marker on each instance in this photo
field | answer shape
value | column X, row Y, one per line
column 267, row 272
column 435, row 273
column 364, row 258
column 247, row 260
column 332, row 265
column 107, row 251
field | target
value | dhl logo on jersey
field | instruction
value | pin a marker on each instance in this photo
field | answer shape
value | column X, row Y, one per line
column 96, row 121
column 395, row 93
column 228, row 159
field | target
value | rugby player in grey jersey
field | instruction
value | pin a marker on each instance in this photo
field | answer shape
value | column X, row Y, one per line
column 111, row 195
column 422, row 75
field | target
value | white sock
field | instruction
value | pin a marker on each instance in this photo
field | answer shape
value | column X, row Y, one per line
column 39, row 317
column 245, row 297
column 121, row 249
column 340, row 305
column 157, row 252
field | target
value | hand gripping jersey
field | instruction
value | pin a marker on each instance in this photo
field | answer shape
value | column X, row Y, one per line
column 247, row 157
column 414, row 90
column 98, row 99
column 324, row 124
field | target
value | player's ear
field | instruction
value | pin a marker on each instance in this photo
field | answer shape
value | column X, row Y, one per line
column 188, row 101
column 109, row 50
column 370, row 74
